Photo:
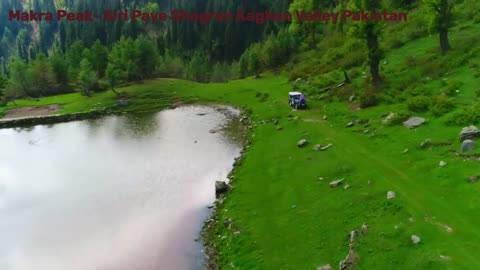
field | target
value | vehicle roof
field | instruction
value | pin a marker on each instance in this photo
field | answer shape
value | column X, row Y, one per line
column 294, row 93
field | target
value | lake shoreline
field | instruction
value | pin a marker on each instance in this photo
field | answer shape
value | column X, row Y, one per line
column 212, row 261
column 207, row 234
column 51, row 119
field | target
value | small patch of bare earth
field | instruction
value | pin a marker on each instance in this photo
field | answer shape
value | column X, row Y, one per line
column 24, row 112
column 313, row 120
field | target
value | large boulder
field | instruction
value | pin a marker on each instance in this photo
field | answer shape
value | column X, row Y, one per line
column 414, row 122
column 220, row 187
column 391, row 195
column 470, row 132
column 467, row 146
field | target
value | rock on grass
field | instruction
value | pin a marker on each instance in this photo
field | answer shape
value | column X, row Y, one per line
column 302, row 143
column 326, row 147
column 469, row 132
column 473, row 179
column 391, row 195
column 325, row 267
column 336, row 183
column 425, row 143
column 467, row 146
column 414, row 122
column 415, row 239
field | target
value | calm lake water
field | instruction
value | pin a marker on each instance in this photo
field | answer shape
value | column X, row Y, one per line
column 119, row 193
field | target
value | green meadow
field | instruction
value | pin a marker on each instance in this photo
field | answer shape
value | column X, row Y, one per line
column 283, row 212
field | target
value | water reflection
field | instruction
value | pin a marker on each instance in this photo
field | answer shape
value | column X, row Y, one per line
column 138, row 125
column 119, row 193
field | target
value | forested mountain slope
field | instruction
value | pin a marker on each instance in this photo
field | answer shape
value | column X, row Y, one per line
column 221, row 41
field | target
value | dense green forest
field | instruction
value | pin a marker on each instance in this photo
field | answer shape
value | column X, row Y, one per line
column 50, row 57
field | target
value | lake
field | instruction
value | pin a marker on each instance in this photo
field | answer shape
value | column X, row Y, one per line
column 125, row 192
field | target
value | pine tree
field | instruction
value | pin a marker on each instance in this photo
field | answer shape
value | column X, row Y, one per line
column 197, row 69
column 243, row 64
column 73, row 58
column 3, row 85
column 220, row 73
column 254, row 63
column 43, row 76
column 99, row 58
column 113, row 76
column 59, row 66
column 147, row 56
column 86, row 77
column 20, row 79
column 23, row 44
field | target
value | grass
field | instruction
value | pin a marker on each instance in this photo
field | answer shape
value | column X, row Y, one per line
column 289, row 219
column 276, row 175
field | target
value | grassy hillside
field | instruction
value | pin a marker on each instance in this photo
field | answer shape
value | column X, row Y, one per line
column 290, row 219
column 284, row 213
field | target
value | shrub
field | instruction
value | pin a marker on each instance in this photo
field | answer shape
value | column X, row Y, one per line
column 415, row 91
column 415, row 32
column 470, row 9
column 344, row 92
column 395, row 43
column 411, row 61
column 352, row 59
column 389, row 96
column 398, row 118
column 327, row 80
column 476, row 73
column 451, row 88
column 418, row 104
column 466, row 116
column 100, row 85
column 262, row 97
column 353, row 73
column 433, row 67
column 441, row 105
column 405, row 84
column 220, row 73
column 369, row 99
column 170, row 66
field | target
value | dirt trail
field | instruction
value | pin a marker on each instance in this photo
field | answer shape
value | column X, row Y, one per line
column 22, row 112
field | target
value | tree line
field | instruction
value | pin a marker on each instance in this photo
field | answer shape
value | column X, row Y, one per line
column 97, row 68
column 51, row 58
